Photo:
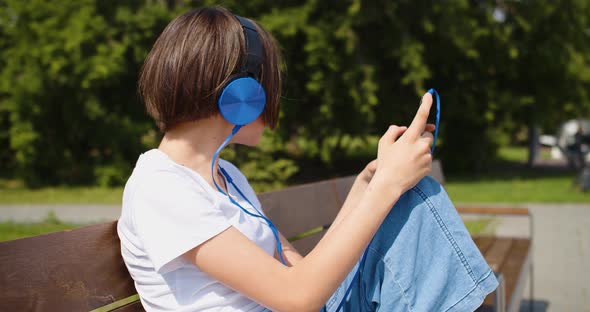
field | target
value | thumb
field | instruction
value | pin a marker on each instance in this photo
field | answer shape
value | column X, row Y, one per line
column 393, row 133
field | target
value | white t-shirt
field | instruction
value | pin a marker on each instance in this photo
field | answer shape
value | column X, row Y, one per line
column 169, row 209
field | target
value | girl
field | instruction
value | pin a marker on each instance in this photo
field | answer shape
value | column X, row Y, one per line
column 193, row 235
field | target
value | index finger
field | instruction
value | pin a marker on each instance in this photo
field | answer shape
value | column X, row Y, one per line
column 419, row 123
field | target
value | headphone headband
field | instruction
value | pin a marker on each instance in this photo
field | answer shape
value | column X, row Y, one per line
column 242, row 99
column 253, row 48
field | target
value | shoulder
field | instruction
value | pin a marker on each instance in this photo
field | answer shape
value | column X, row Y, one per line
column 171, row 185
column 166, row 199
column 159, row 194
column 233, row 171
column 156, row 176
column 173, row 213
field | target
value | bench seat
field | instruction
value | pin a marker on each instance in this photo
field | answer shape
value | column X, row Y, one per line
column 509, row 257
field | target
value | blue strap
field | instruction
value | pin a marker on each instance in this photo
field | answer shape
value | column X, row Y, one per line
column 433, row 92
column 274, row 230
column 216, row 154
column 230, row 181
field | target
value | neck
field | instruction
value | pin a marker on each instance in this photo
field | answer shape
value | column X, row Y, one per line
column 192, row 144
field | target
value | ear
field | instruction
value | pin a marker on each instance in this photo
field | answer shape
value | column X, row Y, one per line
column 242, row 101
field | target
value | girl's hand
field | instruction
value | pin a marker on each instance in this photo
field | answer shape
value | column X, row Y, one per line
column 403, row 155
column 367, row 174
column 369, row 171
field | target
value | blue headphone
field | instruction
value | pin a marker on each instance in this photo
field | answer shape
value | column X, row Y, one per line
column 240, row 102
column 242, row 99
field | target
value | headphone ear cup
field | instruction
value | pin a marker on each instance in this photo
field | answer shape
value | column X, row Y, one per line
column 242, row 100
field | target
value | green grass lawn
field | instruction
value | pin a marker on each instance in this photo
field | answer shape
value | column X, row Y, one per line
column 477, row 226
column 486, row 189
column 557, row 189
column 520, row 154
column 510, row 182
column 11, row 230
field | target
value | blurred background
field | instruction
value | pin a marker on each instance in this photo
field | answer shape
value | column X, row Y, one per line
column 513, row 76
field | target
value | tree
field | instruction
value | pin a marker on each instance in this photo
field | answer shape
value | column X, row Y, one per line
column 69, row 111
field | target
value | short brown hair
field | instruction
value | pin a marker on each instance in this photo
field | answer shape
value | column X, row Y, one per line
column 191, row 61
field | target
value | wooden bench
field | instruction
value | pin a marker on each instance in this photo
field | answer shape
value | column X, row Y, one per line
column 511, row 260
column 82, row 269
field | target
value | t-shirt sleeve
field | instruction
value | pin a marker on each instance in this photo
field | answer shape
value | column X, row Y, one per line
column 174, row 214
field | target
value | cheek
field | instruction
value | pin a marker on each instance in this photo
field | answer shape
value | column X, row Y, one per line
column 256, row 132
column 261, row 127
column 258, row 126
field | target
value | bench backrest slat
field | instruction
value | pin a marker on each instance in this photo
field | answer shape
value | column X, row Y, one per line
column 75, row 270
column 300, row 208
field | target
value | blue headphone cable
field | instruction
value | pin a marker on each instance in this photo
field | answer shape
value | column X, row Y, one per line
column 230, row 181
column 364, row 256
column 437, row 98
column 271, row 225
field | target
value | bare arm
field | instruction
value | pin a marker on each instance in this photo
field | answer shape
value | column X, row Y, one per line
column 359, row 186
column 354, row 195
column 290, row 254
column 234, row 260
column 239, row 263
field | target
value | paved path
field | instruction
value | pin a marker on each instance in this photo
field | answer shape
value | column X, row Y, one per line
column 68, row 213
column 561, row 255
column 561, row 251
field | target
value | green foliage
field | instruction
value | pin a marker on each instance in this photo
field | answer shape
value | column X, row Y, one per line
column 265, row 169
column 360, row 66
column 69, row 113
column 67, row 87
